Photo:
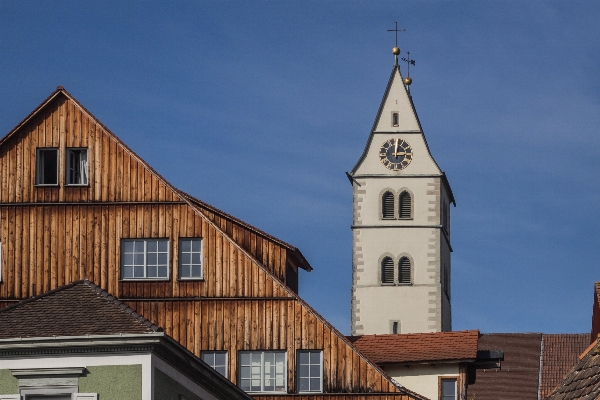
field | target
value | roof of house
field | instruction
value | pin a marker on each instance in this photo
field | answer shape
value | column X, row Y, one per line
column 418, row 347
column 519, row 374
column 560, row 352
column 583, row 381
column 77, row 309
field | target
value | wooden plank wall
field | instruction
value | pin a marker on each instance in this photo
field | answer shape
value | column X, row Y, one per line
column 259, row 246
column 238, row 306
column 114, row 172
column 48, row 246
column 236, row 325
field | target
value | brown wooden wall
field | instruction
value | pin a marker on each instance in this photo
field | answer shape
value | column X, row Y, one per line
column 53, row 236
column 115, row 174
column 236, row 325
column 48, row 246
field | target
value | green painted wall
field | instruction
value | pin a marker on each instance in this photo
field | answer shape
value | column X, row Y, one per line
column 8, row 383
column 113, row 382
column 166, row 388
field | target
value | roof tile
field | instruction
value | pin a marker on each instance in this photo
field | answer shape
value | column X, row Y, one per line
column 418, row 347
column 80, row 308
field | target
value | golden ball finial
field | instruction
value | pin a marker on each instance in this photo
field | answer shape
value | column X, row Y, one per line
column 396, row 51
column 407, row 80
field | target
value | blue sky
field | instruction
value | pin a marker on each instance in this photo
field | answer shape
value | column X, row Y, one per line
column 260, row 107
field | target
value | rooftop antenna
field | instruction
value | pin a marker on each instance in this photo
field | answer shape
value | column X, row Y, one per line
column 409, row 62
column 396, row 49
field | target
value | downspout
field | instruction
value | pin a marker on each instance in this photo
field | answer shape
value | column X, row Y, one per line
column 541, row 365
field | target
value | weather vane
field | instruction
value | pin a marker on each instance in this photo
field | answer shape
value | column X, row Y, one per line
column 409, row 62
column 396, row 50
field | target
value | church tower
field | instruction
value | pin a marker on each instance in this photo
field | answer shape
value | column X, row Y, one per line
column 401, row 224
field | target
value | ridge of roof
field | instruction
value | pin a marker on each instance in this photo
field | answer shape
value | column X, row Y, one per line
column 96, row 289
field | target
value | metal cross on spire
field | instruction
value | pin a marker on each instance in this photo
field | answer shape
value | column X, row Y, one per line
column 396, row 50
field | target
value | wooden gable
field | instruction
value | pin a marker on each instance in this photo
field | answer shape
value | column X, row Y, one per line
column 51, row 236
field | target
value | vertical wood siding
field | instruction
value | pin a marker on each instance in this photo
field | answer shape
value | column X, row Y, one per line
column 238, row 325
column 51, row 236
column 48, row 246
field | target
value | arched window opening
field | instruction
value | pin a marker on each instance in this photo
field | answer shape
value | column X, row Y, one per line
column 387, row 205
column 405, row 206
column 387, row 270
column 404, row 270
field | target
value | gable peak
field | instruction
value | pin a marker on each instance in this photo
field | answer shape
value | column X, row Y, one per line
column 397, row 112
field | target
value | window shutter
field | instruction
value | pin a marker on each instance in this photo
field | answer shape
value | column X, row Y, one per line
column 405, row 208
column 404, row 270
column 387, row 206
column 387, row 270
column 84, row 396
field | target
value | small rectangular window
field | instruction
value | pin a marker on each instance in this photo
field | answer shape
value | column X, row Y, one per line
column 395, row 119
column 448, row 389
column 310, row 371
column 190, row 258
column 263, row 371
column 395, row 327
column 77, row 167
column 145, row 259
column 217, row 360
column 47, row 167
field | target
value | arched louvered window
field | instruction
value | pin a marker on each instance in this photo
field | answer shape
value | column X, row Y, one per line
column 387, row 205
column 405, row 205
column 404, row 270
column 387, row 270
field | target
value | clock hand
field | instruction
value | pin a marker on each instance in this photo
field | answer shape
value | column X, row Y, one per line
column 396, row 149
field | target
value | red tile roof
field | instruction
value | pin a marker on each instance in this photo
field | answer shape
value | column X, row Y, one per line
column 77, row 309
column 560, row 352
column 583, row 381
column 519, row 374
column 418, row 347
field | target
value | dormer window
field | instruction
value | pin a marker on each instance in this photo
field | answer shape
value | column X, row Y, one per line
column 395, row 119
column 77, row 167
column 47, row 167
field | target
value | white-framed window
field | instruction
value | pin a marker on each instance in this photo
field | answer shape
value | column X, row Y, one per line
column 190, row 258
column 217, row 360
column 145, row 259
column 263, row 371
column 448, row 388
column 46, row 167
column 77, row 167
column 310, row 371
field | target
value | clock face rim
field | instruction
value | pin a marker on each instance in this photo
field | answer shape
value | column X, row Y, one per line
column 395, row 163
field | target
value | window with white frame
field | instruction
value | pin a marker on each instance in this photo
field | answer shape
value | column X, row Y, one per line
column 217, row 360
column 448, row 389
column 77, row 167
column 145, row 258
column 263, row 371
column 310, row 371
column 190, row 258
column 47, row 167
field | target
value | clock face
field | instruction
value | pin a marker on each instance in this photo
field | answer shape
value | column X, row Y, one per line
column 395, row 154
